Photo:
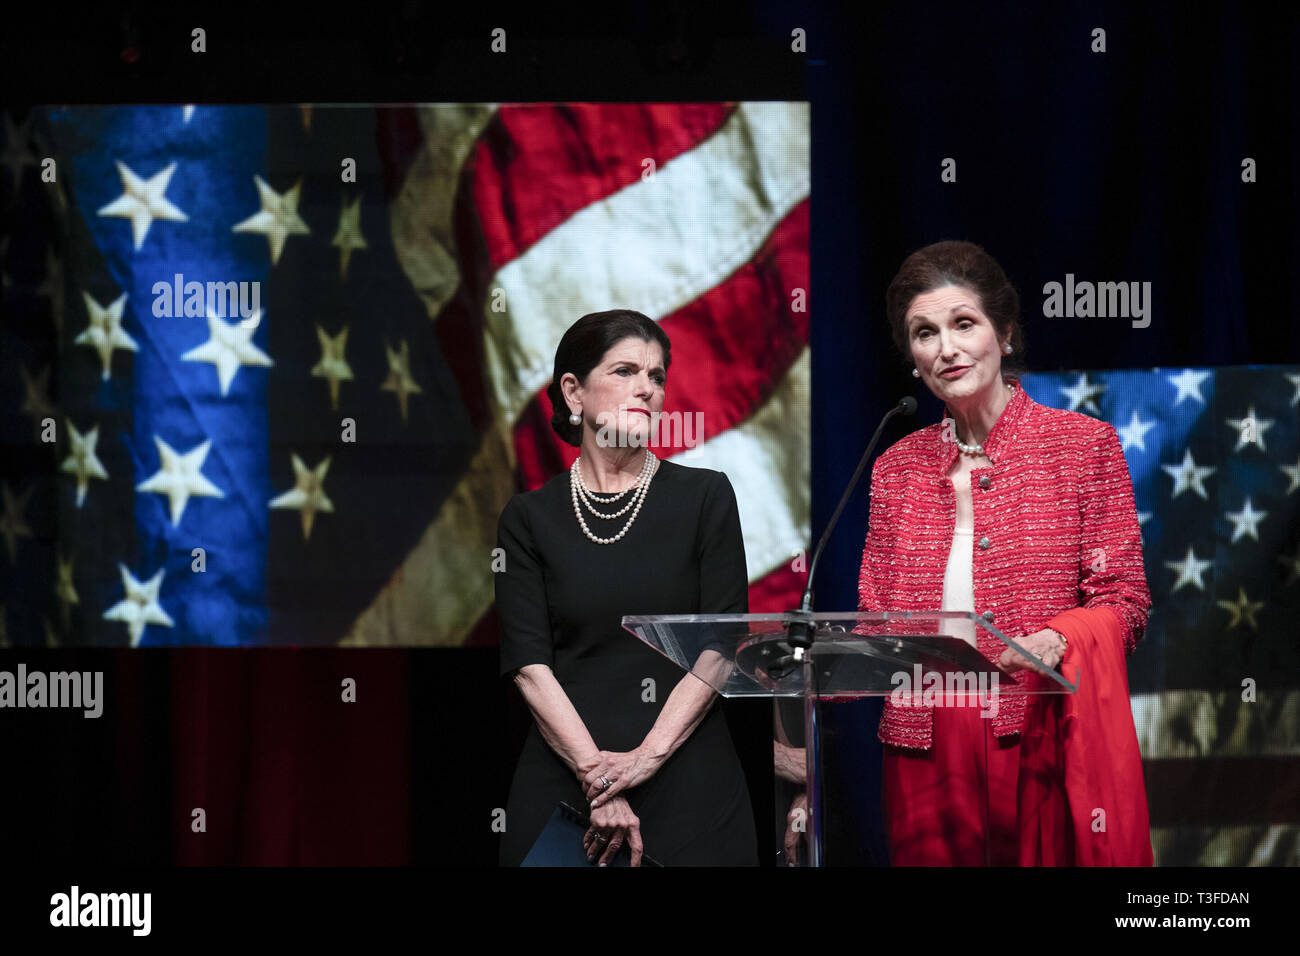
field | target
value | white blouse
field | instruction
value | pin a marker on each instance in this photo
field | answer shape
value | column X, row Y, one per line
column 959, row 584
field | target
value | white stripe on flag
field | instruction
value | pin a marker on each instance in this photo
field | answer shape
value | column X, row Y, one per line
column 653, row 246
column 1262, row 845
column 1198, row 723
column 445, row 584
column 768, row 468
column 420, row 219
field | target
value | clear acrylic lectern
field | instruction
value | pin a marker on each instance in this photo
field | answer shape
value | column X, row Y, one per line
column 926, row 658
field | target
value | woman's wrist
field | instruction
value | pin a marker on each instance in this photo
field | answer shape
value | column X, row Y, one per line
column 586, row 764
column 653, row 756
column 656, row 746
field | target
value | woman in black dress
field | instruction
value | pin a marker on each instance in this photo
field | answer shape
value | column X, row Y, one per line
column 622, row 533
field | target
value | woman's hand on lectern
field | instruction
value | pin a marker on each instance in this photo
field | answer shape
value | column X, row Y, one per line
column 1046, row 645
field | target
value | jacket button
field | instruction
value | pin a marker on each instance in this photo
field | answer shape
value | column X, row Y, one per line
column 985, row 481
column 984, row 543
column 988, row 616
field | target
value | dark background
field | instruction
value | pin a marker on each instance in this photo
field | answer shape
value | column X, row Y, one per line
column 1122, row 165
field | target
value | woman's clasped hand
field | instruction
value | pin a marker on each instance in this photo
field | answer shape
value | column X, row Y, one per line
column 612, row 825
column 615, row 773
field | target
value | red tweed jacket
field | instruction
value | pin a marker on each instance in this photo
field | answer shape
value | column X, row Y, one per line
column 1055, row 529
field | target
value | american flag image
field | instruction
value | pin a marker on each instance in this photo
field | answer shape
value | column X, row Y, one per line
column 316, row 453
column 271, row 373
column 1214, row 454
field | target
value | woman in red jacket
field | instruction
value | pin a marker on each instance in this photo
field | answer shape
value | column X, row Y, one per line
column 1025, row 515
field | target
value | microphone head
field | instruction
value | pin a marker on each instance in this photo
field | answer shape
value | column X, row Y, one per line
column 907, row 405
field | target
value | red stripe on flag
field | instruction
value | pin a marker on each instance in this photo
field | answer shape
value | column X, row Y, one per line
column 538, row 450
column 732, row 345
column 535, row 166
column 730, row 348
column 778, row 591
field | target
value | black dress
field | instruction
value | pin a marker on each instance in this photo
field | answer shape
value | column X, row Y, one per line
column 560, row 600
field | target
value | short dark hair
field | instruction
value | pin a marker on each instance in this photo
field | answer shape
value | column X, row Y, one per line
column 955, row 262
column 584, row 345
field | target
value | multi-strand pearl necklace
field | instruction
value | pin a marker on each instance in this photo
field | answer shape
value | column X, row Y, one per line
column 578, row 490
column 972, row 449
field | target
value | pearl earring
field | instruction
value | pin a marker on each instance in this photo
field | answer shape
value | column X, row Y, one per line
column 575, row 419
column 1007, row 349
column 916, row 373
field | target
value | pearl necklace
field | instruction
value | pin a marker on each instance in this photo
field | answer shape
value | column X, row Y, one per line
column 972, row 449
column 578, row 490
column 588, row 496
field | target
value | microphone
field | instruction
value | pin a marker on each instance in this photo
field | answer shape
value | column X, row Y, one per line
column 799, row 634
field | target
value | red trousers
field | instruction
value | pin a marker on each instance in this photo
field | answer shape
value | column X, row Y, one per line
column 954, row 804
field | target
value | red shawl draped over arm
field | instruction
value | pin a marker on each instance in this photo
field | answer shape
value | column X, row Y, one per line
column 1081, row 795
column 1081, row 799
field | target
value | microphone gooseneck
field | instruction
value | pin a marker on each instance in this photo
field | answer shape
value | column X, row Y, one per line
column 800, row 633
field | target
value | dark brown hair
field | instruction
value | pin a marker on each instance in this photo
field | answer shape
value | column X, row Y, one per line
column 954, row 262
column 582, row 348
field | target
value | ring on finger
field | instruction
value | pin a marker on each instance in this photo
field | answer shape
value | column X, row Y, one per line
column 604, row 782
